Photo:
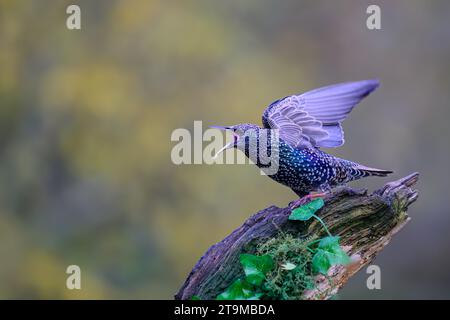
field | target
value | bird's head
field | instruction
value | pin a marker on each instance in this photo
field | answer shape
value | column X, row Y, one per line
column 240, row 133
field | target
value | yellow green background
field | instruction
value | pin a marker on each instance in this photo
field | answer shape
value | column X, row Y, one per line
column 86, row 117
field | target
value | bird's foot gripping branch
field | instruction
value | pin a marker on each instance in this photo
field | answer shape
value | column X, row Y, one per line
column 307, row 253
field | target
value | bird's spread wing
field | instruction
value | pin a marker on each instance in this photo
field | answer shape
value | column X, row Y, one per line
column 296, row 126
column 314, row 117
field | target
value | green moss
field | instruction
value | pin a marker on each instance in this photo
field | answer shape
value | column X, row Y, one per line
column 288, row 252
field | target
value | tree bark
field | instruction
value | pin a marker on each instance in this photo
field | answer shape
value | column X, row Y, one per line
column 365, row 223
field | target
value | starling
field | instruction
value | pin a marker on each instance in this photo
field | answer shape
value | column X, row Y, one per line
column 305, row 123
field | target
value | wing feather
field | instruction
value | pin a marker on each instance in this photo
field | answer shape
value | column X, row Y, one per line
column 332, row 104
column 313, row 119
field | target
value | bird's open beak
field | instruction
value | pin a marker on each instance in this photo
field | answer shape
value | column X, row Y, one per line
column 228, row 145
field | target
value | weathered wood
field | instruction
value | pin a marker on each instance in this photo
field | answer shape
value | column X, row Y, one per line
column 365, row 223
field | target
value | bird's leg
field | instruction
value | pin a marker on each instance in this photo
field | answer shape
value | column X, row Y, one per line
column 325, row 188
column 305, row 199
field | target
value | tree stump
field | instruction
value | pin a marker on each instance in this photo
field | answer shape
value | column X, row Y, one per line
column 365, row 223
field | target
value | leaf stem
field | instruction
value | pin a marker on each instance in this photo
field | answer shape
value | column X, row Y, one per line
column 313, row 242
column 323, row 224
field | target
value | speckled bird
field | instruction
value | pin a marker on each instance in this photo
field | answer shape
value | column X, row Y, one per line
column 305, row 123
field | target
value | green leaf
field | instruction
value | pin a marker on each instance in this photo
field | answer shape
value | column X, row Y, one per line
column 194, row 297
column 256, row 267
column 329, row 253
column 329, row 243
column 306, row 211
column 320, row 262
column 239, row 290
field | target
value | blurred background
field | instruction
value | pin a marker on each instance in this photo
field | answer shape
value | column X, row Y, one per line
column 86, row 117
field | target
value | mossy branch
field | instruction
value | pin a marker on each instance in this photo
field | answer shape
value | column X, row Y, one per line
column 365, row 223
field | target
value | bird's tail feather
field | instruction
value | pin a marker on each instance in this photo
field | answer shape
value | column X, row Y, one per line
column 373, row 171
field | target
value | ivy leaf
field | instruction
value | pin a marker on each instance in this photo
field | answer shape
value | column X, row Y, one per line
column 329, row 253
column 239, row 290
column 321, row 262
column 288, row 266
column 329, row 243
column 306, row 211
column 256, row 267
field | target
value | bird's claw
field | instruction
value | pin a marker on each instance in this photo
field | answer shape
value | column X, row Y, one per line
column 304, row 200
